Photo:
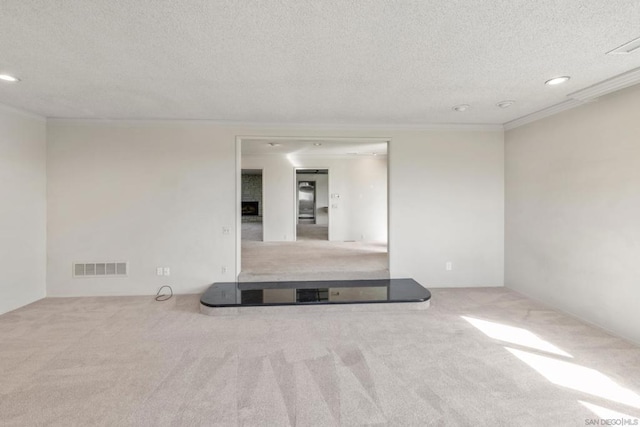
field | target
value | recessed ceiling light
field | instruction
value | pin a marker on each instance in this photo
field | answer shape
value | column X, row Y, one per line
column 462, row 107
column 8, row 78
column 505, row 104
column 557, row 80
column 274, row 144
column 317, row 144
column 626, row 48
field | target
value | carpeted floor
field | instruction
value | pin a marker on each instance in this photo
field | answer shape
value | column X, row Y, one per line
column 252, row 231
column 312, row 232
column 312, row 257
column 133, row 361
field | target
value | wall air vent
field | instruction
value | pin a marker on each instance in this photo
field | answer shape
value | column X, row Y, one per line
column 101, row 269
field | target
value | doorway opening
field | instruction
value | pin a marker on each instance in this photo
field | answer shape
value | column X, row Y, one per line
column 323, row 209
column 251, row 205
column 312, row 204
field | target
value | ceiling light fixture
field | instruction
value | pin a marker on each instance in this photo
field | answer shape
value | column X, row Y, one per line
column 317, row 144
column 505, row 104
column 9, row 78
column 461, row 108
column 557, row 80
column 626, row 48
column 274, row 144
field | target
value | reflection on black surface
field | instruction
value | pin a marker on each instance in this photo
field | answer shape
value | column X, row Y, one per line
column 312, row 295
column 277, row 296
column 314, row 292
column 254, row 296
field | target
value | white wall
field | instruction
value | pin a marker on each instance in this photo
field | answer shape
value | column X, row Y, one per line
column 23, row 215
column 573, row 211
column 359, row 214
column 277, row 196
column 446, row 196
column 158, row 193
column 153, row 194
column 363, row 199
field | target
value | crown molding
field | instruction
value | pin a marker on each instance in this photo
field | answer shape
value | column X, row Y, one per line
column 468, row 127
column 581, row 97
column 541, row 114
column 613, row 84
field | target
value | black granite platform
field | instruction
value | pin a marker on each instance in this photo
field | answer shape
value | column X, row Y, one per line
column 234, row 294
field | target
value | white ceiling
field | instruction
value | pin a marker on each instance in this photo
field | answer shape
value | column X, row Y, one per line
column 308, row 61
column 307, row 147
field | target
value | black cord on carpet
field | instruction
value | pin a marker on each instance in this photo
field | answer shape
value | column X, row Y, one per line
column 164, row 297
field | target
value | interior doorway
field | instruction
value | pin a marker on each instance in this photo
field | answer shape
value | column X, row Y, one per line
column 252, row 205
column 338, row 232
column 312, row 204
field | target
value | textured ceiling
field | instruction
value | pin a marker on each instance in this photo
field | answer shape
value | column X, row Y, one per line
column 307, row 61
column 301, row 147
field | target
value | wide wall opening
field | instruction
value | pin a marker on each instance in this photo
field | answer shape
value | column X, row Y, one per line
column 313, row 209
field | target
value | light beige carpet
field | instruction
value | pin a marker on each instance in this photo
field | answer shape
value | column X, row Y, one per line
column 312, row 257
column 312, row 232
column 131, row 361
column 251, row 231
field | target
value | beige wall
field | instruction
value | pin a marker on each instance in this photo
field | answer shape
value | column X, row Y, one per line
column 23, row 212
column 277, row 196
column 160, row 193
column 573, row 211
column 154, row 195
column 446, row 198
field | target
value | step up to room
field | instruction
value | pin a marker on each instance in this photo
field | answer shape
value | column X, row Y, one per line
column 223, row 298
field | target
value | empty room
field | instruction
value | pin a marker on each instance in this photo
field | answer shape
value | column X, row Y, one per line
column 319, row 213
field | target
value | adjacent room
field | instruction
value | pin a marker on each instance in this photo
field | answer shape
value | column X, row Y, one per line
column 484, row 153
column 313, row 208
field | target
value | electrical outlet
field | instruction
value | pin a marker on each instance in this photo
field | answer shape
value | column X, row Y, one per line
column 449, row 266
column 226, row 230
column 167, row 271
column 159, row 271
column 223, row 270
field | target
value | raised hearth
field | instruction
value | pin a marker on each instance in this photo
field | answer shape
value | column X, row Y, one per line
column 312, row 293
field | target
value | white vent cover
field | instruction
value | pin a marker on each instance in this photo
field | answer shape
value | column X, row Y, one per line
column 101, row 269
column 626, row 48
